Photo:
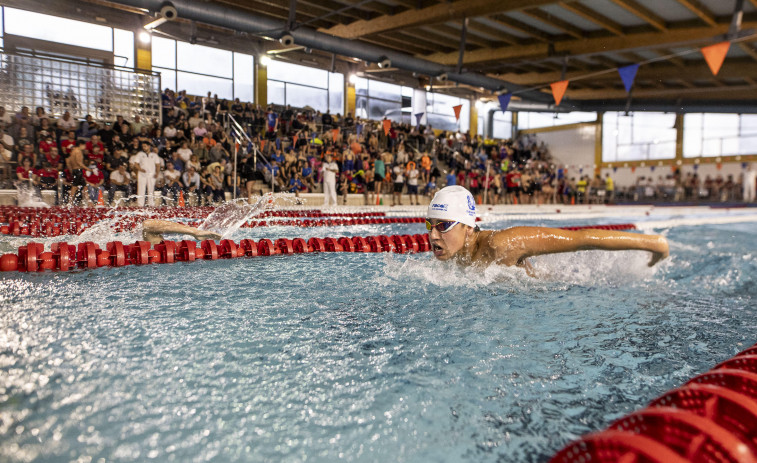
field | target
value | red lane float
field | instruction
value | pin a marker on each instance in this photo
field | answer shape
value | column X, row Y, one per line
column 711, row 418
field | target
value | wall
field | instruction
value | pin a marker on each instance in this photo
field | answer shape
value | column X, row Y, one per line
column 572, row 146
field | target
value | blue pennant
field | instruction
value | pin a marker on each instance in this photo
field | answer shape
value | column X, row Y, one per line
column 504, row 101
column 628, row 74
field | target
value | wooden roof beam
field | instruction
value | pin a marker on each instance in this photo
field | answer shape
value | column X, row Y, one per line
column 555, row 22
column 735, row 92
column 593, row 16
column 474, row 26
column 698, row 9
column 642, row 12
column 641, row 41
column 520, row 27
column 438, row 13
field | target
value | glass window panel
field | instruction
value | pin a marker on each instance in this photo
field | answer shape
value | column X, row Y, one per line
column 361, row 107
column 276, row 93
column 711, row 147
column 631, row 152
column 378, row 89
column 287, row 72
column 720, row 125
column 361, row 86
column 196, row 84
column 203, row 60
column 748, row 145
column 609, row 136
column 407, row 91
column 163, row 52
column 501, row 129
column 300, row 96
column 123, row 48
column 625, row 130
column 59, row 30
column 664, row 150
column 336, row 92
column 653, row 127
column 748, row 124
column 692, row 135
column 480, row 128
column 243, row 77
column 730, row 146
column 378, row 109
column 167, row 78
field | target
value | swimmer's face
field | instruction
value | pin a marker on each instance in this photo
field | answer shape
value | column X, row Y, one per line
column 446, row 245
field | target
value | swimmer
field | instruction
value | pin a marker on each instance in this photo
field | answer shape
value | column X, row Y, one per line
column 152, row 231
column 453, row 234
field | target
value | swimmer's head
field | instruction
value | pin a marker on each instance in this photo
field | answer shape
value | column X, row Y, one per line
column 451, row 220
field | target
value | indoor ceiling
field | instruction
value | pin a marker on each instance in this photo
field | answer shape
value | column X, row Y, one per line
column 528, row 43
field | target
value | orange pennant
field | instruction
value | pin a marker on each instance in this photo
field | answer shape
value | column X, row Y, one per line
column 334, row 134
column 262, row 144
column 387, row 126
column 558, row 90
column 100, row 201
column 294, row 140
column 715, row 55
column 181, row 198
column 457, row 111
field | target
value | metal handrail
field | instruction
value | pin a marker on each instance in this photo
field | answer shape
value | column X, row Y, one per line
column 239, row 134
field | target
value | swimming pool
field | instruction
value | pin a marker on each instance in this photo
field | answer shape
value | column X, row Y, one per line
column 367, row 357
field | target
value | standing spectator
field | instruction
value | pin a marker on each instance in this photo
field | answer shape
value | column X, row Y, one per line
column 272, row 121
column 147, row 165
column 749, row 183
column 399, row 184
column 330, row 169
column 412, row 183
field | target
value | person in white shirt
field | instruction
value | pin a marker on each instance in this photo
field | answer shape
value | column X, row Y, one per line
column 120, row 180
column 750, row 179
column 412, row 183
column 170, row 131
column 67, row 123
column 330, row 169
column 147, row 164
column 399, row 183
column 6, row 119
column 173, row 182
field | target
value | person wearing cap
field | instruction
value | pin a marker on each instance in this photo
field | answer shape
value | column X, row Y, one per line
column 153, row 230
column 453, row 234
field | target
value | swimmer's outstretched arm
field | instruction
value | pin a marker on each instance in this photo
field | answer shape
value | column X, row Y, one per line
column 514, row 245
column 152, row 230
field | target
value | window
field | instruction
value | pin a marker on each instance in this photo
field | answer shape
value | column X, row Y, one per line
column 441, row 114
column 502, row 126
column 123, row 48
column 199, row 69
column 639, row 136
column 536, row 120
column 708, row 134
column 59, row 30
column 301, row 86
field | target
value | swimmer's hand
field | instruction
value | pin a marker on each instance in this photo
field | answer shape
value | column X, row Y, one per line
column 660, row 251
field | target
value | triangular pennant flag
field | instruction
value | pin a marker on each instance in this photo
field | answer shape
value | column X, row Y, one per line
column 387, row 126
column 504, row 101
column 181, row 198
column 715, row 55
column 418, row 117
column 262, row 144
column 628, row 74
column 294, row 140
column 359, row 129
column 334, row 134
column 457, row 111
column 558, row 90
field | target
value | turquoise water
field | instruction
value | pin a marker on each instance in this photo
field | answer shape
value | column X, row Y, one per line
column 361, row 357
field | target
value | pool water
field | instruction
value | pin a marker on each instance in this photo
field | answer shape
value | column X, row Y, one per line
column 362, row 357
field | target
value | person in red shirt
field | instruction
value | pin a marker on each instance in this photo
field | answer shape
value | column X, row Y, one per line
column 512, row 179
column 54, row 158
column 95, row 179
column 97, row 156
column 68, row 144
column 95, row 142
column 46, row 144
column 47, row 176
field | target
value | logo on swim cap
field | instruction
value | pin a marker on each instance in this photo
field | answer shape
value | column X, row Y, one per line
column 439, row 207
column 471, row 206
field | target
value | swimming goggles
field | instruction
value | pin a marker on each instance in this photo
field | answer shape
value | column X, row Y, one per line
column 441, row 227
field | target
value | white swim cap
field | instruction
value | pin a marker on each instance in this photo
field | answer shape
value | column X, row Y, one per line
column 453, row 203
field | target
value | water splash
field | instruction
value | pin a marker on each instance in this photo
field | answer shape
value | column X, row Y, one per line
column 29, row 197
column 229, row 216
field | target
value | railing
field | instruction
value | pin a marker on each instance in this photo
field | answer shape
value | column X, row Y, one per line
column 240, row 135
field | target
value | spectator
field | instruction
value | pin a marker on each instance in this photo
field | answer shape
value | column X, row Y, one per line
column 120, row 180
column 330, row 170
column 147, row 165
column 172, row 178
column 95, row 181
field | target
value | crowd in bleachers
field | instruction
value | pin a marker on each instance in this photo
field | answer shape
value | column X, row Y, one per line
column 191, row 154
